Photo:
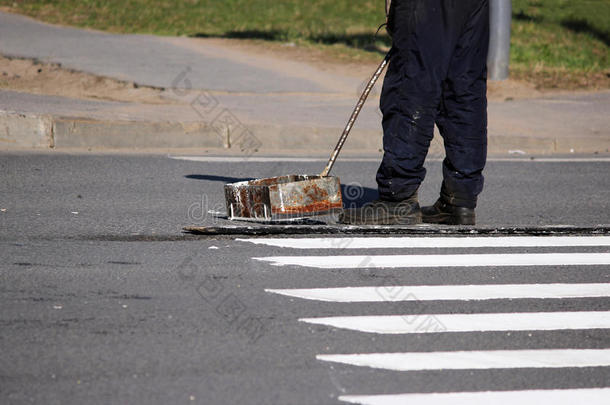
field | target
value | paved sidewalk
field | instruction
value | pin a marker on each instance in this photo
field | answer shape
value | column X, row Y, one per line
column 216, row 95
column 143, row 59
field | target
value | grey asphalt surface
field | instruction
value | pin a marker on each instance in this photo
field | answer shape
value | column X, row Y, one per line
column 105, row 301
column 122, row 195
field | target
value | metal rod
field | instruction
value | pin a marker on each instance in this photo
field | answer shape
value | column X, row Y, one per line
column 352, row 118
column 500, row 14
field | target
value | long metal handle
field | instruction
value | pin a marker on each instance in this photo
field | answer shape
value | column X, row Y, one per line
column 352, row 118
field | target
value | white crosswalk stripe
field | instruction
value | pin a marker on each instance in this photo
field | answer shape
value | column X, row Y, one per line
column 461, row 260
column 432, row 323
column 448, row 323
column 475, row 360
column 590, row 396
column 389, row 293
column 433, row 242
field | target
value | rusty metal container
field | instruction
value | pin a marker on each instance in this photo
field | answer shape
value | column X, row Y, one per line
column 294, row 195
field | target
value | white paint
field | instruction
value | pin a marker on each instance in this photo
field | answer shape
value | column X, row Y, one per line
column 431, row 323
column 292, row 159
column 263, row 159
column 462, row 260
column 589, row 396
column 448, row 292
column 432, row 242
column 475, row 360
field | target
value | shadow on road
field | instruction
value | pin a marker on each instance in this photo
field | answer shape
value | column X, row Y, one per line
column 354, row 195
column 212, row 177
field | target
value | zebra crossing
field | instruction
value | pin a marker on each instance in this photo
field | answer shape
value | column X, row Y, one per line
column 555, row 397
column 404, row 254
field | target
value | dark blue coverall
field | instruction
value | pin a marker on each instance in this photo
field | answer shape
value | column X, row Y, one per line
column 437, row 74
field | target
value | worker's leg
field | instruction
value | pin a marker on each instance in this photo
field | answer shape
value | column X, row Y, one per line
column 424, row 34
column 463, row 113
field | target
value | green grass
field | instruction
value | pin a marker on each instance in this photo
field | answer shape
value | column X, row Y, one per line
column 562, row 43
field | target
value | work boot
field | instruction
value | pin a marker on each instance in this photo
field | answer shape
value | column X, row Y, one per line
column 443, row 213
column 382, row 212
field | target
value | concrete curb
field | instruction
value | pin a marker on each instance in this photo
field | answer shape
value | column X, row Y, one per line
column 20, row 131
column 87, row 133
column 26, row 130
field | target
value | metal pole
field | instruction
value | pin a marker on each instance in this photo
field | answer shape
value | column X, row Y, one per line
column 500, row 14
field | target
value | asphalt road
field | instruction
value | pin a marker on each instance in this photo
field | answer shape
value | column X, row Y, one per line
column 88, row 196
column 105, row 301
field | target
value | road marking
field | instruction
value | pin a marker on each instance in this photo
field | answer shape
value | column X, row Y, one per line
column 552, row 160
column 263, row 159
column 470, row 360
column 293, row 159
column 447, row 292
column 432, row 242
column 432, row 323
column 589, row 396
column 462, row 260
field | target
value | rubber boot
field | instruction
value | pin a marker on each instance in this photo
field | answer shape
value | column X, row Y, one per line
column 443, row 213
